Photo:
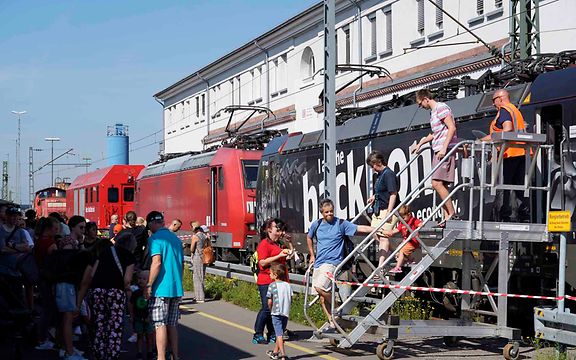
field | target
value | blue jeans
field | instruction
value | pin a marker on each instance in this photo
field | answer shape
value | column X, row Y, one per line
column 264, row 318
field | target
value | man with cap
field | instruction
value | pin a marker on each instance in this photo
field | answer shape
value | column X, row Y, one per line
column 510, row 119
column 13, row 239
column 164, row 287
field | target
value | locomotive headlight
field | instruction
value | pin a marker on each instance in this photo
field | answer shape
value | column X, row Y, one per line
column 252, row 227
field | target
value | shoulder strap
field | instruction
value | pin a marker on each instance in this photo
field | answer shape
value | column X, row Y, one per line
column 316, row 228
column 11, row 235
column 343, row 233
column 117, row 260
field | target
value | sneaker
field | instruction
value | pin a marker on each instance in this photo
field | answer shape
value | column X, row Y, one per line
column 133, row 338
column 395, row 270
column 74, row 357
column 259, row 339
column 329, row 330
column 46, row 345
column 62, row 352
column 272, row 339
column 272, row 355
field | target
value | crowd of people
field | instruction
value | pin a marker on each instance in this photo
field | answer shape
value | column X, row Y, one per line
column 79, row 283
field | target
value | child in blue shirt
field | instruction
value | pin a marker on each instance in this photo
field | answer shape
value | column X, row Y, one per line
column 279, row 299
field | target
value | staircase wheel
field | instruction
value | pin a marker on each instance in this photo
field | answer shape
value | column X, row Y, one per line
column 451, row 341
column 385, row 351
column 511, row 351
column 334, row 342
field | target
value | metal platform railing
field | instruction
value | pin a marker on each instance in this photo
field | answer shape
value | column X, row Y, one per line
column 473, row 228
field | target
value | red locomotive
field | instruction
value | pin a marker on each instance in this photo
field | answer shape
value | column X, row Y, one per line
column 217, row 188
column 99, row 194
column 49, row 200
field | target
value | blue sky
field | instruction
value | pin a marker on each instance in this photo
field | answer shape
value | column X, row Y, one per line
column 78, row 66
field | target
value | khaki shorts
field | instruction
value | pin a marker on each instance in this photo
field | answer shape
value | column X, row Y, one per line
column 446, row 171
column 408, row 249
column 320, row 278
column 377, row 220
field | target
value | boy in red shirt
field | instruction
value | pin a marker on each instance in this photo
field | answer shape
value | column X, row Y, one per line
column 411, row 245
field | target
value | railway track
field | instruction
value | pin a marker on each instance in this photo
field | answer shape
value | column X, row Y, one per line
column 243, row 272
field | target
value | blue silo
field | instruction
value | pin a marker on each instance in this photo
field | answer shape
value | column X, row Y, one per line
column 117, row 144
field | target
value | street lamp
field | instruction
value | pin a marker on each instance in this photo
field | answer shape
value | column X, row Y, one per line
column 52, row 139
column 18, row 164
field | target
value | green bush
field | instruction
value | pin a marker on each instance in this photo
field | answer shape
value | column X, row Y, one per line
column 246, row 295
column 187, row 281
column 411, row 308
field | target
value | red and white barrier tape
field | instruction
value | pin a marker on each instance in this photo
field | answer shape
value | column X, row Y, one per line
column 452, row 291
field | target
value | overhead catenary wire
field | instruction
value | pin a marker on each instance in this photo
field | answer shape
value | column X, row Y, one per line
column 226, row 95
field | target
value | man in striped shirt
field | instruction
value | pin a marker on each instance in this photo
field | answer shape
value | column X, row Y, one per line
column 443, row 137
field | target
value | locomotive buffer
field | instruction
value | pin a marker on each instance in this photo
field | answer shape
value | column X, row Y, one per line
column 475, row 228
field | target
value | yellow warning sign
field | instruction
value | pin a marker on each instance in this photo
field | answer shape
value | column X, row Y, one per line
column 559, row 221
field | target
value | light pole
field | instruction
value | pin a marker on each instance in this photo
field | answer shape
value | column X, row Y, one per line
column 18, row 185
column 52, row 139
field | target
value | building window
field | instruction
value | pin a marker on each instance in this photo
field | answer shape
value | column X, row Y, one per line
column 232, row 92
column 203, row 104
column 498, row 4
column 421, row 17
column 347, row 45
column 274, row 76
column 308, row 64
column 439, row 14
column 256, row 83
column 388, row 19
column 373, row 39
column 480, row 7
column 197, row 106
column 238, row 91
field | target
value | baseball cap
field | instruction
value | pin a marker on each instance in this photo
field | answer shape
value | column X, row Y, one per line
column 13, row 211
column 205, row 228
column 154, row 216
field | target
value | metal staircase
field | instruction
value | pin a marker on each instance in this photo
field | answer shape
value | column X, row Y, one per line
column 478, row 181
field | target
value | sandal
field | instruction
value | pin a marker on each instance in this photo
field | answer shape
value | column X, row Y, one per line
column 395, row 270
column 272, row 355
column 442, row 224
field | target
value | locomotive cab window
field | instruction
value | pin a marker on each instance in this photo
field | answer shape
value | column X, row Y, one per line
column 128, row 194
column 250, row 170
column 113, row 195
column 552, row 122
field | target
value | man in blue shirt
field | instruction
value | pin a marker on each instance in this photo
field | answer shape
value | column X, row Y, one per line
column 164, row 288
column 329, row 233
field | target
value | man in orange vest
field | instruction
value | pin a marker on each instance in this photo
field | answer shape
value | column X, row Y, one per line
column 509, row 118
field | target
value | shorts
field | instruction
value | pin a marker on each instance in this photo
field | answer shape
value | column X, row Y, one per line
column 164, row 311
column 377, row 219
column 320, row 277
column 408, row 249
column 143, row 326
column 65, row 297
column 446, row 171
column 279, row 322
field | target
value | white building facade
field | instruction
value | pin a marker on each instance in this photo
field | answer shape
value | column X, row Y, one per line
column 417, row 43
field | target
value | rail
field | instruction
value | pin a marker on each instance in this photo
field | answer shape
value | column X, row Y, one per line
column 243, row 272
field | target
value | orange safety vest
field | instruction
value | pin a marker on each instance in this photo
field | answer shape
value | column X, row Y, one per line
column 517, row 123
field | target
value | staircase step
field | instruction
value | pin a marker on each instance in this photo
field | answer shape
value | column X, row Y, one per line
column 367, row 299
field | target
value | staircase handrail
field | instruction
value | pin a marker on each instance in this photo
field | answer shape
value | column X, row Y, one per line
column 388, row 216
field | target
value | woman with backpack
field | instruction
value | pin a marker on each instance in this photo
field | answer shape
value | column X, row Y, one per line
column 200, row 248
column 108, row 277
column 269, row 251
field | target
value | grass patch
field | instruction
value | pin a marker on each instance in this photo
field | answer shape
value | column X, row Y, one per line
column 246, row 295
